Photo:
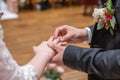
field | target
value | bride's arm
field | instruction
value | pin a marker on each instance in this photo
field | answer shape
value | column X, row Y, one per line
column 10, row 70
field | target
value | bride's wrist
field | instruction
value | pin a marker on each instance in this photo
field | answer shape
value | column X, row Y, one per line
column 44, row 55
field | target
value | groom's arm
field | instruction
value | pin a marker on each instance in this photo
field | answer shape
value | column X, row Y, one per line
column 105, row 64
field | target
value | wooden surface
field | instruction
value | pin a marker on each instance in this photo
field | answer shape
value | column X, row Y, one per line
column 33, row 27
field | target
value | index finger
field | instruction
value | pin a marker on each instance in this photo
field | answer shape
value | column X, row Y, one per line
column 58, row 32
column 50, row 39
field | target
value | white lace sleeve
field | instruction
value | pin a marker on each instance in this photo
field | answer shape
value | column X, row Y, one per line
column 9, row 69
column 26, row 72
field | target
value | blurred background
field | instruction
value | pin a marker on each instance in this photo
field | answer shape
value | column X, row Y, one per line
column 29, row 22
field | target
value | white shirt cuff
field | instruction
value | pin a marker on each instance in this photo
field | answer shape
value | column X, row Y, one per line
column 89, row 34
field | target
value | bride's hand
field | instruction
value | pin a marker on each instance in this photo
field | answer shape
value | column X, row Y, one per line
column 44, row 50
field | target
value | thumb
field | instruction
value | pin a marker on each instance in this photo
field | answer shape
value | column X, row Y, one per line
column 66, row 37
column 57, row 59
column 34, row 49
column 50, row 39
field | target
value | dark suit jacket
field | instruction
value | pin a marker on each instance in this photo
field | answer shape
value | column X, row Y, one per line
column 104, row 63
column 102, row 60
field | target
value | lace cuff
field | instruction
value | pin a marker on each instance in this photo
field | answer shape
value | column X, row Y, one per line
column 29, row 72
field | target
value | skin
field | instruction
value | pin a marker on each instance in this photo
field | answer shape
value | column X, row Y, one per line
column 70, row 34
column 63, row 35
column 42, row 57
column 59, row 49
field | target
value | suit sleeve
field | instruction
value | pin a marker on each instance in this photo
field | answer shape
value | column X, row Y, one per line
column 105, row 64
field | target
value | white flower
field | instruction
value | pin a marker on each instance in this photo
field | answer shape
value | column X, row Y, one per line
column 98, row 13
column 60, row 69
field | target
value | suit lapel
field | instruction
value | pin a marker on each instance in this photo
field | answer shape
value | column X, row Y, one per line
column 117, row 13
column 116, row 5
column 117, row 2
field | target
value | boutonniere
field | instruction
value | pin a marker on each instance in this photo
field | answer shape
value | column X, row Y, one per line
column 104, row 17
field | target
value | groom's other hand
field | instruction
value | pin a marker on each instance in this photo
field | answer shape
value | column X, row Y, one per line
column 70, row 34
column 56, row 46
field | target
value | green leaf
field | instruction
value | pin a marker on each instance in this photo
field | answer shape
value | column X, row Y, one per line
column 109, row 7
column 100, row 25
column 53, row 74
column 111, row 31
column 112, row 22
column 110, row 11
column 109, row 4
